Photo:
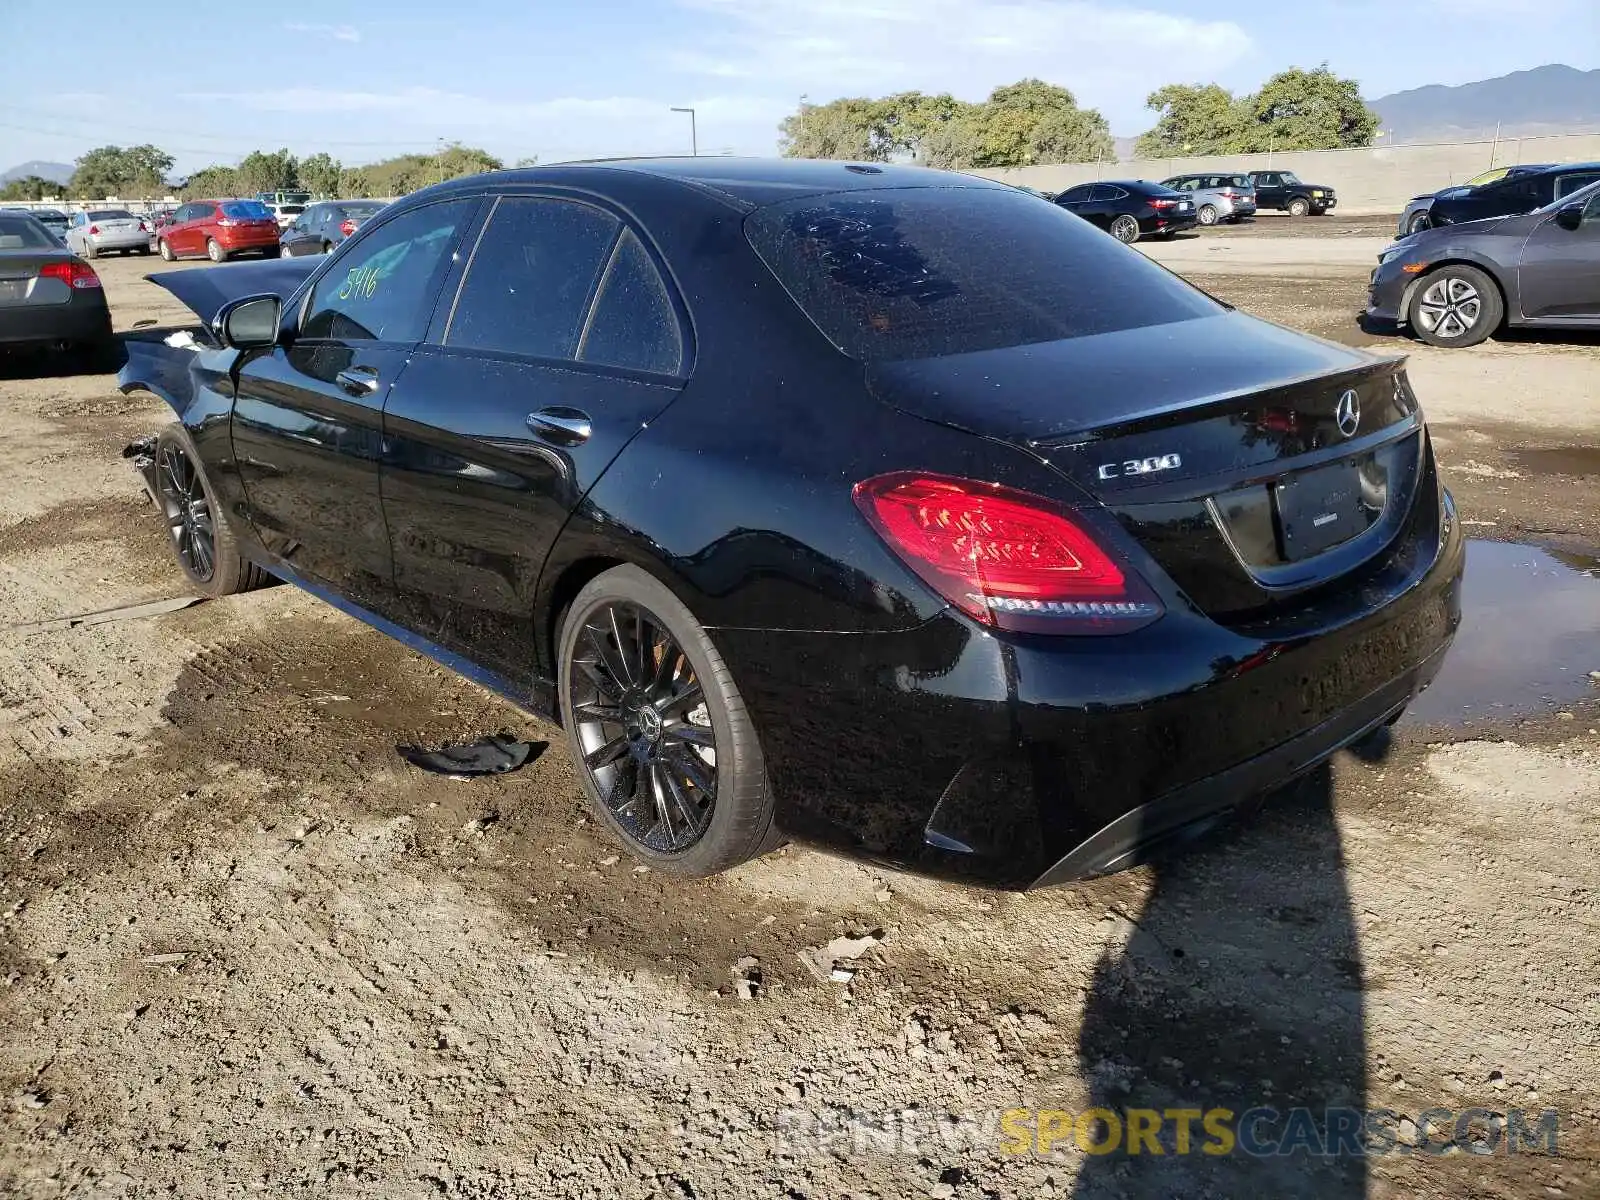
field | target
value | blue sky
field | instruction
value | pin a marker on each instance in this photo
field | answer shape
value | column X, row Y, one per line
column 562, row 80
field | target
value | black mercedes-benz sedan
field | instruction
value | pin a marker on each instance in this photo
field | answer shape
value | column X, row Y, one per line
column 1454, row 285
column 879, row 508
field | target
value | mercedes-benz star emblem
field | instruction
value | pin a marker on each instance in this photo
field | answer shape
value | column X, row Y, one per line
column 1348, row 414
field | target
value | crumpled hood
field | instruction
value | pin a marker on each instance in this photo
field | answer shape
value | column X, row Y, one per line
column 1463, row 228
column 207, row 289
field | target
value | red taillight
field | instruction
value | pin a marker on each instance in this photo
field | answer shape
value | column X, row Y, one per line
column 143, row 228
column 94, row 229
column 1162, row 203
column 1007, row 558
column 347, row 227
column 73, row 274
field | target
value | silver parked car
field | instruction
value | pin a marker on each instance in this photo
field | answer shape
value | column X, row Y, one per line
column 1217, row 197
column 101, row 230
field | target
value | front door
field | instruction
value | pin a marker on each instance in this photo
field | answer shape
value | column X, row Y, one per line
column 562, row 342
column 308, row 416
column 1559, row 273
column 1269, row 190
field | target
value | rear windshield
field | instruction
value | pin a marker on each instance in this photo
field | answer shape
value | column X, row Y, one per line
column 246, row 210
column 359, row 211
column 110, row 214
column 24, row 233
column 898, row 273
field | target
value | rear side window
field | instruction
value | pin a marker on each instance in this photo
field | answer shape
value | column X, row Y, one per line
column 922, row 272
column 532, row 277
column 632, row 324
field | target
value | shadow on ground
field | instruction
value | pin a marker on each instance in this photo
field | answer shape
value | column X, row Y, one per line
column 1232, row 994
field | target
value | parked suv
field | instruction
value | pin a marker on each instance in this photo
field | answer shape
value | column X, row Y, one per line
column 1217, row 197
column 1127, row 208
column 219, row 229
column 1514, row 195
column 1286, row 192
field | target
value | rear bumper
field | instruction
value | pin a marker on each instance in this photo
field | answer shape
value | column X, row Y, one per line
column 263, row 240
column 1018, row 762
column 120, row 241
column 79, row 320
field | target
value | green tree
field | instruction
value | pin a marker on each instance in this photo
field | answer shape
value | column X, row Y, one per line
column 355, row 185
column 1019, row 124
column 116, row 171
column 260, row 171
column 212, row 183
column 1309, row 110
column 1026, row 122
column 29, row 187
column 319, row 174
column 848, row 128
column 1194, row 119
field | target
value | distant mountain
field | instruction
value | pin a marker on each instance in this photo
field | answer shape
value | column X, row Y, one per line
column 53, row 171
column 1551, row 99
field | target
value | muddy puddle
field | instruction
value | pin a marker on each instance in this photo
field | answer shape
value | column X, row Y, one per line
column 1530, row 635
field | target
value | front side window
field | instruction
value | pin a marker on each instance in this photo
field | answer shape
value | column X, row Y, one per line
column 1287, row 177
column 1568, row 184
column 383, row 289
column 897, row 273
column 532, row 277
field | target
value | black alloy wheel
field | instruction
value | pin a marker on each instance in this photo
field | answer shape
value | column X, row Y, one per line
column 188, row 512
column 639, row 714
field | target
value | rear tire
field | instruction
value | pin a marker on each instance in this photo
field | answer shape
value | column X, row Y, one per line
column 202, row 540
column 165, row 251
column 1455, row 306
column 1125, row 229
column 215, row 252
column 605, row 667
column 89, row 251
column 1299, row 206
column 1208, row 214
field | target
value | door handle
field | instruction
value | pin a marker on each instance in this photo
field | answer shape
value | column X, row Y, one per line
column 358, row 381
column 563, row 426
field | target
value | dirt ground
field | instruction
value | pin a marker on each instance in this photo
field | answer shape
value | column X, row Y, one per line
column 245, row 949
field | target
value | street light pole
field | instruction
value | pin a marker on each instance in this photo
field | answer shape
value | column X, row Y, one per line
column 694, row 136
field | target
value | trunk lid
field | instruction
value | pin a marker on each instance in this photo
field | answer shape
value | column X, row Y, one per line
column 21, row 284
column 1250, row 462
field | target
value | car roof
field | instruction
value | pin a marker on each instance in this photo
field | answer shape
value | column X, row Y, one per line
column 745, row 182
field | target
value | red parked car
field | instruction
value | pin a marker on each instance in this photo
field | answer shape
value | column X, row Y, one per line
column 219, row 229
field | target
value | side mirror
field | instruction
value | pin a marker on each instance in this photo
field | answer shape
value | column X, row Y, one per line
column 248, row 324
column 1570, row 217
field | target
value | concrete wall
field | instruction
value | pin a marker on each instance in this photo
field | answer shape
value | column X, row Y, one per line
column 1376, row 180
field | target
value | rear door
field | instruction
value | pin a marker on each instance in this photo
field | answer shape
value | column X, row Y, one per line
column 562, row 341
column 308, row 414
column 1559, row 274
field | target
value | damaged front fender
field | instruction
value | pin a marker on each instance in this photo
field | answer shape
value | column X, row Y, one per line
column 179, row 364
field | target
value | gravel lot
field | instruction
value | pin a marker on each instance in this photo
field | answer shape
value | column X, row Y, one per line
column 244, row 949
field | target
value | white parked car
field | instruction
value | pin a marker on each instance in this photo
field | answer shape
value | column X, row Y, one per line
column 286, row 213
column 102, row 230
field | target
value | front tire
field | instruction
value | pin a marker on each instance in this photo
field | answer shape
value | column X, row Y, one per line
column 165, row 251
column 660, row 738
column 1125, row 229
column 1299, row 206
column 327, row 247
column 1208, row 214
column 202, row 541
column 1456, row 305
column 215, row 252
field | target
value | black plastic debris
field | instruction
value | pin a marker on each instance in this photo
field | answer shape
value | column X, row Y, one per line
column 493, row 755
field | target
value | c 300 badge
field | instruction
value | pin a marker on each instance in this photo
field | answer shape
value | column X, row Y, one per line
column 1140, row 466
